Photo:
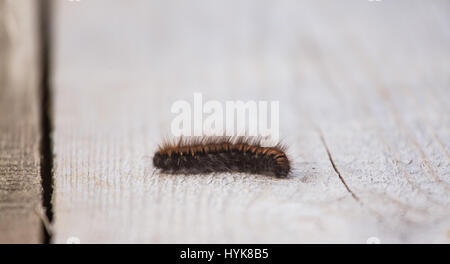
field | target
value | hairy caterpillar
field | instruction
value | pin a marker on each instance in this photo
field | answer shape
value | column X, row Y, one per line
column 221, row 154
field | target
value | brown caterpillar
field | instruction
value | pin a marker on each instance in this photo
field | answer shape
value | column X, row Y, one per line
column 221, row 154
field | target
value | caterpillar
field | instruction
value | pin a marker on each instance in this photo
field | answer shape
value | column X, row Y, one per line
column 205, row 155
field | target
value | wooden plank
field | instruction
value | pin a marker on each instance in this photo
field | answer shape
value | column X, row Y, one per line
column 380, row 138
column 362, row 89
column 20, row 187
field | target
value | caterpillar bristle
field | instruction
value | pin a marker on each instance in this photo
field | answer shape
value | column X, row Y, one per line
column 202, row 155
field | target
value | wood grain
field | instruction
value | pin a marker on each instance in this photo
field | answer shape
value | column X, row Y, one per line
column 362, row 88
column 20, row 187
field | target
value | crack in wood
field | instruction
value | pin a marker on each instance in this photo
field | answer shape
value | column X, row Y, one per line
column 46, row 147
column 324, row 143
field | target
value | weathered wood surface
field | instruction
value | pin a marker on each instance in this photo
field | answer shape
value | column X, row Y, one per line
column 20, row 187
column 367, row 81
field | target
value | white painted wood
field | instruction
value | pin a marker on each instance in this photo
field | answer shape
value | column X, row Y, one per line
column 369, row 78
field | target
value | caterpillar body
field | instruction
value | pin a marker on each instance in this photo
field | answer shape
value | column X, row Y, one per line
column 221, row 154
